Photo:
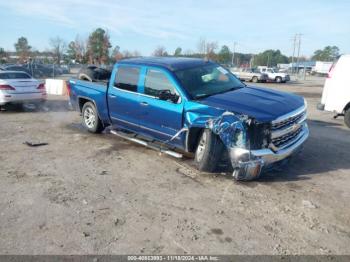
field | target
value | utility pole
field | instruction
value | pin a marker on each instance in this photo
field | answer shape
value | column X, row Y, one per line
column 234, row 51
column 294, row 44
column 299, row 43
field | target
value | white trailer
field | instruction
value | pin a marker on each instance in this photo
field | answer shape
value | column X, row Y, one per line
column 321, row 68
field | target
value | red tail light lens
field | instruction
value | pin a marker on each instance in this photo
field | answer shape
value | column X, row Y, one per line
column 41, row 86
column 6, row 87
column 68, row 87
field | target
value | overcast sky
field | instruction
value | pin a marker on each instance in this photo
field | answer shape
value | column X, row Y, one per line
column 145, row 24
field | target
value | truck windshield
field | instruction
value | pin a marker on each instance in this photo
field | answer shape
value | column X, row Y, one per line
column 207, row 80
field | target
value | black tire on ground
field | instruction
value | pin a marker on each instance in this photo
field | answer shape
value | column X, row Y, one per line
column 347, row 117
column 255, row 79
column 209, row 151
column 90, row 118
column 278, row 79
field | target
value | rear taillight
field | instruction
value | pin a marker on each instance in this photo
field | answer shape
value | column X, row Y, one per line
column 6, row 87
column 68, row 87
column 41, row 86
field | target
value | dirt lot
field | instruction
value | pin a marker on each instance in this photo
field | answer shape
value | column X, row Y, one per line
column 98, row 194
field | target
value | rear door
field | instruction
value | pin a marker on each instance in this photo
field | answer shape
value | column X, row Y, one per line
column 123, row 97
column 162, row 105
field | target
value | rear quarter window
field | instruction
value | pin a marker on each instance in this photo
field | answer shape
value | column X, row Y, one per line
column 127, row 78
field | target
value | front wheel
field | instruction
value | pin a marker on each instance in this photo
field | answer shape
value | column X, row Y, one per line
column 209, row 151
column 90, row 118
column 347, row 118
column 255, row 79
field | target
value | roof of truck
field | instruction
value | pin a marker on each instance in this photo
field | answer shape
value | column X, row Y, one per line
column 171, row 63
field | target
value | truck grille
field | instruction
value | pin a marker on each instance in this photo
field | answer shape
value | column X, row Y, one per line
column 286, row 130
column 287, row 138
column 288, row 121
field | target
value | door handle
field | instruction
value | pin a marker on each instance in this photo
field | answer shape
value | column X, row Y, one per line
column 112, row 96
column 144, row 103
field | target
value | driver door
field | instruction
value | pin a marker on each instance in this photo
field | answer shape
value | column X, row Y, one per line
column 161, row 117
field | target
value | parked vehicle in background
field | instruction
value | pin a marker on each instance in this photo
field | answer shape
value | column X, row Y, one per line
column 195, row 106
column 93, row 73
column 336, row 90
column 19, row 87
column 16, row 68
column 250, row 74
column 321, row 68
column 274, row 75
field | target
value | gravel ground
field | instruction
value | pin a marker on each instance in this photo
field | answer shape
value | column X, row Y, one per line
column 98, row 194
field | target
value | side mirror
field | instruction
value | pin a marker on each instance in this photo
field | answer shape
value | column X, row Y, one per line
column 167, row 95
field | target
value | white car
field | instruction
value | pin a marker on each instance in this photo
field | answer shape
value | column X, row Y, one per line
column 336, row 91
column 274, row 75
column 19, row 87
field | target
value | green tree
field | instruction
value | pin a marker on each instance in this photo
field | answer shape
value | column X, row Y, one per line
column 72, row 51
column 224, row 55
column 270, row 58
column 98, row 46
column 22, row 49
column 3, row 55
column 178, row 51
column 329, row 53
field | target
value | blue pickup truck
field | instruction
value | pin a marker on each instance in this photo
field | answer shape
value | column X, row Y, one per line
column 197, row 107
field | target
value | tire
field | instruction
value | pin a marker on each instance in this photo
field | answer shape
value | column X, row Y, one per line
column 90, row 118
column 255, row 79
column 87, row 74
column 208, row 152
column 278, row 79
column 347, row 118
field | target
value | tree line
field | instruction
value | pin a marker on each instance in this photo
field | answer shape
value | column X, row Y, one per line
column 97, row 49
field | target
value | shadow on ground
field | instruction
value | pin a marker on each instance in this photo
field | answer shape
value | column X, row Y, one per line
column 47, row 106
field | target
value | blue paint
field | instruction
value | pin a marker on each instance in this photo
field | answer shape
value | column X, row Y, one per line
column 162, row 120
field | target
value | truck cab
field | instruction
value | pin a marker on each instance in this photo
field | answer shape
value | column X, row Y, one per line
column 197, row 107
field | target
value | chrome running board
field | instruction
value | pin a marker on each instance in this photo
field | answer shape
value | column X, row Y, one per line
column 147, row 144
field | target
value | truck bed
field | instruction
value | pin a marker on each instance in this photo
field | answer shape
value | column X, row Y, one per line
column 95, row 91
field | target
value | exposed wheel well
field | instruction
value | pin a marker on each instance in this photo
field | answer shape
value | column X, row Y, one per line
column 82, row 101
column 193, row 138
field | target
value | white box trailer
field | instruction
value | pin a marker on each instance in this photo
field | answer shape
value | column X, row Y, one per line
column 321, row 68
column 336, row 90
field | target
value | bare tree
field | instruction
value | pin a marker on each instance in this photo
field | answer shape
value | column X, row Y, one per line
column 210, row 50
column 136, row 53
column 202, row 46
column 160, row 51
column 58, row 48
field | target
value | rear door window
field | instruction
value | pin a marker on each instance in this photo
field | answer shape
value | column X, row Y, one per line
column 127, row 78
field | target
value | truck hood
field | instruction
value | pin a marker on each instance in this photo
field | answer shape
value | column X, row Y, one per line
column 260, row 103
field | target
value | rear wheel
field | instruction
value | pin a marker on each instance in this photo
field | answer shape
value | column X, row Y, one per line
column 255, row 79
column 347, row 117
column 209, row 151
column 90, row 118
column 278, row 79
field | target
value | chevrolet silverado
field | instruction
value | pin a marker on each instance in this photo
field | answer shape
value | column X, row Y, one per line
column 197, row 107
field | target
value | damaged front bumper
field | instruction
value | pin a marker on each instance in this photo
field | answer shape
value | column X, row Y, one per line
column 248, row 164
